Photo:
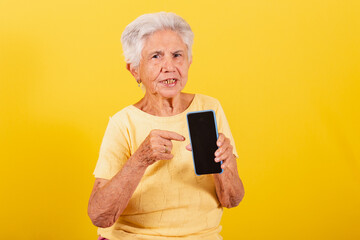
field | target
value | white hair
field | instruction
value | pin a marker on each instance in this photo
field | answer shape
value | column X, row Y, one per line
column 137, row 31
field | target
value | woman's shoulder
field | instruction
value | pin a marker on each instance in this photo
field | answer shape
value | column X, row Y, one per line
column 207, row 101
column 124, row 115
column 124, row 111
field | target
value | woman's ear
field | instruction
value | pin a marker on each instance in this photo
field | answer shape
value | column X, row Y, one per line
column 133, row 70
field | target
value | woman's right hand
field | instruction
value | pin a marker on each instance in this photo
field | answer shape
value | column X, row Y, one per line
column 157, row 146
column 109, row 198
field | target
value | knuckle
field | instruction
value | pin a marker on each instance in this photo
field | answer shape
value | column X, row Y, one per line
column 152, row 140
column 153, row 132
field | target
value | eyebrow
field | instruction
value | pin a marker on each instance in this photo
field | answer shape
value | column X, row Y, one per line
column 155, row 52
column 178, row 51
column 161, row 52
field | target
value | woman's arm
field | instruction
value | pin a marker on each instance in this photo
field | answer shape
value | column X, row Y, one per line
column 229, row 187
column 109, row 198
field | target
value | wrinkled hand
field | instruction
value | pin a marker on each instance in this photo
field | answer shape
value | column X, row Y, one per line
column 223, row 153
column 157, row 146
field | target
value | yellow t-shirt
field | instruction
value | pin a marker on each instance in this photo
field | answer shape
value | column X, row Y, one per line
column 171, row 201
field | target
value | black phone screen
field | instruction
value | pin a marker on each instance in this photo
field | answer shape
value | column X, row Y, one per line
column 203, row 137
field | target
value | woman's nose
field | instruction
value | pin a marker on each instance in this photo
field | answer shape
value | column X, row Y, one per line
column 168, row 65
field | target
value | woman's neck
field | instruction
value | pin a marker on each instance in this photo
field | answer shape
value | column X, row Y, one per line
column 163, row 107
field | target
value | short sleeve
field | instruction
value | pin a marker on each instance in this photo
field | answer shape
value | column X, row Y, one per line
column 114, row 151
column 223, row 127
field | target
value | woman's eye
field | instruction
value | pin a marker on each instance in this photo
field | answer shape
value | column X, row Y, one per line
column 155, row 56
column 177, row 55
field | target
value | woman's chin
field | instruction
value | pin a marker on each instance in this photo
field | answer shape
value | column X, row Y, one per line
column 169, row 93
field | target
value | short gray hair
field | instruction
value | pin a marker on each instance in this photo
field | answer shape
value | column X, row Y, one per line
column 137, row 31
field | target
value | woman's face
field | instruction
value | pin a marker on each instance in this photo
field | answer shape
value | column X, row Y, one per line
column 164, row 64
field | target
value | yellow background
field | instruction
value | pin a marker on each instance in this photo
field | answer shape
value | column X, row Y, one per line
column 286, row 72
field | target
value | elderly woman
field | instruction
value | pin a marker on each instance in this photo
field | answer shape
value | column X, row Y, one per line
column 145, row 186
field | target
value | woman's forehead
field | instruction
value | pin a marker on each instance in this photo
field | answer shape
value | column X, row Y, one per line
column 164, row 40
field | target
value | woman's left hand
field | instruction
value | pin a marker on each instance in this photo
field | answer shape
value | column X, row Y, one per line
column 229, row 188
column 224, row 152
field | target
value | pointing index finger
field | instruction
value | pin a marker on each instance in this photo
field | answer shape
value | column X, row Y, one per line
column 171, row 135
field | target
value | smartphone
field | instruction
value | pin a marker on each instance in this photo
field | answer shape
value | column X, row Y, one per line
column 203, row 136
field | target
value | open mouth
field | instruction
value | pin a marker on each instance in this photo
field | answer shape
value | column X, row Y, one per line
column 171, row 82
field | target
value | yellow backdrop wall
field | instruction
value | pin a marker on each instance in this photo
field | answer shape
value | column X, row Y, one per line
column 286, row 72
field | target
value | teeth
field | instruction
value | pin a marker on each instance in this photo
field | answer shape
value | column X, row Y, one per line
column 169, row 81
